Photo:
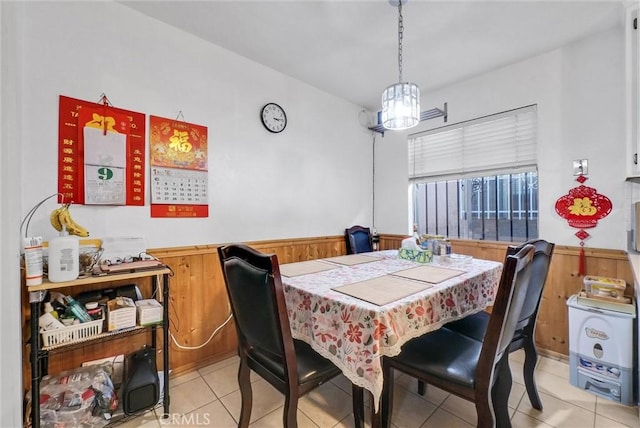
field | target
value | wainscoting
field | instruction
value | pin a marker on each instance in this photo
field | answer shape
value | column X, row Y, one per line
column 199, row 305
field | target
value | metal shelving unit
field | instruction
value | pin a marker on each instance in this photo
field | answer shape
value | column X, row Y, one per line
column 39, row 355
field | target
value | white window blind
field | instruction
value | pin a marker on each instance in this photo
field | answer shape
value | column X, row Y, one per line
column 501, row 142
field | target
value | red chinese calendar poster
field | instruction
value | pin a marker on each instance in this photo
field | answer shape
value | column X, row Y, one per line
column 101, row 154
column 179, row 174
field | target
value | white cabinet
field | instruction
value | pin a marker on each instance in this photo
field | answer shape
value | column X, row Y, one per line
column 632, row 77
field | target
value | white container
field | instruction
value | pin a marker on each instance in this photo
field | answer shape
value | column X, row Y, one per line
column 64, row 258
column 149, row 311
column 121, row 313
column 33, row 260
column 601, row 347
column 49, row 322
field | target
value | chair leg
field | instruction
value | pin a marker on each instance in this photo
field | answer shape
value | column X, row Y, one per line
column 500, row 392
column 530, row 360
column 357, row 393
column 244, row 381
column 290, row 416
column 421, row 387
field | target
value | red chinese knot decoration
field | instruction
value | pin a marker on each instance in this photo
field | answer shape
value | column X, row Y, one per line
column 582, row 207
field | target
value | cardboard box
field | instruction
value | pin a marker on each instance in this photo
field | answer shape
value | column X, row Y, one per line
column 121, row 313
column 149, row 311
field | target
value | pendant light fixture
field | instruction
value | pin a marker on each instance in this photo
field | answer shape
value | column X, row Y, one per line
column 400, row 101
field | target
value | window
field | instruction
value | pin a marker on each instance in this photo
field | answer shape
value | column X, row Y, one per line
column 477, row 179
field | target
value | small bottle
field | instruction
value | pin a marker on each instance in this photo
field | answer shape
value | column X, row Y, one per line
column 77, row 310
column 415, row 234
column 48, row 322
column 48, row 308
column 375, row 239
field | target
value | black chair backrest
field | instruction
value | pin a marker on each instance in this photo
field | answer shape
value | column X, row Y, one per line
column 358, row 240
column 539, row 270
column 506, row 311
column 254, row 288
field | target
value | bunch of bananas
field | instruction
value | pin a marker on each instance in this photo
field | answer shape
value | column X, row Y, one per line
column 61, row 217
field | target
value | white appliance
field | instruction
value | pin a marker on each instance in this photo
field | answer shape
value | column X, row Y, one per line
column 601, row 352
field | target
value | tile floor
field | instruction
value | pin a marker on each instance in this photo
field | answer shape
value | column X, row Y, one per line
column 210, row 397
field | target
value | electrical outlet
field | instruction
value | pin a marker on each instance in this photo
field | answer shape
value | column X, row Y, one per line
column 580, row 167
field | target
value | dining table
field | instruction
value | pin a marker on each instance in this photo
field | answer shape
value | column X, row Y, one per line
column 356, row 309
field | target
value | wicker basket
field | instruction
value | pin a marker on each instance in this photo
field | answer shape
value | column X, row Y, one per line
column 75, row 333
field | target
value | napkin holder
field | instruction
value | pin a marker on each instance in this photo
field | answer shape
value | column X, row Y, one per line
column 420, row 256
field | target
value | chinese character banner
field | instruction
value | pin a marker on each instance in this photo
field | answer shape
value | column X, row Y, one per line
column 101, row 154
column 179, row 174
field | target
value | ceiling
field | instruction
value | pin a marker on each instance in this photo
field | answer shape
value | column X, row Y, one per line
column 350, row 48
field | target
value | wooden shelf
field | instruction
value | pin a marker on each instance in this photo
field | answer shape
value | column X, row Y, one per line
column 97, row 279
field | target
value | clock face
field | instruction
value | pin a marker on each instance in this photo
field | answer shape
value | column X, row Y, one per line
column 273, row 118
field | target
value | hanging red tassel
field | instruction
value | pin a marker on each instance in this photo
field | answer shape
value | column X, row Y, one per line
column 582, row 262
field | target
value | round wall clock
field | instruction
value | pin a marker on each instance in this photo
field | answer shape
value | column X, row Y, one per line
column 273, row 117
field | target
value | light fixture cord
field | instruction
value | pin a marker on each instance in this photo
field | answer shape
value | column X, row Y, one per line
column 400, row 37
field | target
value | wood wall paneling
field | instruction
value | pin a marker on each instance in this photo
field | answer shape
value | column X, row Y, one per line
column 199, row 305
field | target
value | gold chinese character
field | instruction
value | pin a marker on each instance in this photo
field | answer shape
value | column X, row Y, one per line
column 179, row 141
column 102, row 122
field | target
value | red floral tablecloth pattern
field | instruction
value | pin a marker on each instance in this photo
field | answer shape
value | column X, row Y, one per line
column 355, row 334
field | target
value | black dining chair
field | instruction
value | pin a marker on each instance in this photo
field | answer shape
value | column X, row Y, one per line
column 474, row 370
column 358, row 239
column 475, row 326
column 265, row 343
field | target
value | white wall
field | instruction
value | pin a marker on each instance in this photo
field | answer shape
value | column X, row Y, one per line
column 314, row 179
column 579, row 90
column 11, row 356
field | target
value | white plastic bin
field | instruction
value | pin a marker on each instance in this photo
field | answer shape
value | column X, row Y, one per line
column 601, row 344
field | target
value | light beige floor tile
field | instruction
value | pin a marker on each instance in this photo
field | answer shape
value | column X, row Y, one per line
column 183, row 378
column 602, row 422
column 223, row 381
column 441, row 418
column 559, row 413
column 274, row 420
column 265, row 400
column 520, row 420
column 516, row 371
column 409, row 410
column 326, row 405
column 220, row 364
column 461, row 408
column 348, row 421
column 627, row 415
column 188, row 396
column 518, row 392
column 517, row 356
column 342, row 382
column 210, row 415
column 147, row 420
column 432, row 394
column 553, row 366
column 561, row 388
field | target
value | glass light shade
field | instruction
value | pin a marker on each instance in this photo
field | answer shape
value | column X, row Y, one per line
column 401, row 106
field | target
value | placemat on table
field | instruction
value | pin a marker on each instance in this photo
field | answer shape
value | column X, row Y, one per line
column 432, row 274
column 304, row 268
column 383, row 289
column 353, row 259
